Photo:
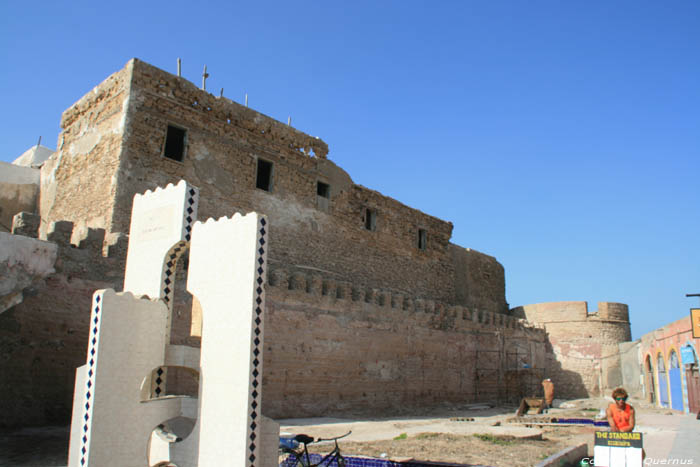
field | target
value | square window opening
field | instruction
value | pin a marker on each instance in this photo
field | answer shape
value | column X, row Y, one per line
column 264, row 177
column 370, row 219
column 323, row 190
column 422, row 239
column 175, row 143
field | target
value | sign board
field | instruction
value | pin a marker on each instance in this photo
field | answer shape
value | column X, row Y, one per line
column 615, row 449
column 687, row 355
column 695, row 322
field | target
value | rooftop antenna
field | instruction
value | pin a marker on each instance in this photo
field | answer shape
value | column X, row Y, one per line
column 205, row 75
column 38, row 143
column 246, row 99
column 179, row 67
column 222, row 93
column 693, row 295
column 289, row 121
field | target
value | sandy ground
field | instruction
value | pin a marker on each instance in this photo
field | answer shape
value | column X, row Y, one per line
column 464, row 435
column 476, row 436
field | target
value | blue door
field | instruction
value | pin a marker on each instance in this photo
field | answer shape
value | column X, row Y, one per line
column 663, row 389
column 674, row 377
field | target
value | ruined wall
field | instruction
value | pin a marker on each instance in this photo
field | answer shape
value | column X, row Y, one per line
column 44, row 338
column 112, row 146
column 379, row 322
column 333, row 347
column 631, row 370
column 224, row 140
column 78, row 182
column 479, row 279
column 23, row 261
column 19, row 190
column 583, row 357
column 375, row 351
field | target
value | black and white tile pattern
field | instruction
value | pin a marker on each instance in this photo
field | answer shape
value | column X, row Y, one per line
column 169, row 271
column 254, row 416
column 90, row 381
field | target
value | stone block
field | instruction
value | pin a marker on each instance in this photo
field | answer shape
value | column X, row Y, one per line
column 60, row 232
column 26, row 224
column 92, row 239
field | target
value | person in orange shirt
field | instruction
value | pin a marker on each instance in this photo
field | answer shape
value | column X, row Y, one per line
column 620, row 413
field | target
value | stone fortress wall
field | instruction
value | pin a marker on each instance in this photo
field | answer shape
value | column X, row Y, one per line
column 44, row 338
column 112, row 147
column 371, row 349
column 361, row 314
column 583, row 354
column 331, row 347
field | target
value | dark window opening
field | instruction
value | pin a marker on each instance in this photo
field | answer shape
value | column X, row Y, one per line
column 422, row 239
column 264, row 177
column 175, row 143
column 323, row 189
column 370, row 219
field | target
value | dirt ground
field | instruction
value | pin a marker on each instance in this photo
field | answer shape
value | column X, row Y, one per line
column 481, row 436
column 476, row 449
column 469, row 435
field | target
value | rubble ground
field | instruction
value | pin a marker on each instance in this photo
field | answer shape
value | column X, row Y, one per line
column 469, row 434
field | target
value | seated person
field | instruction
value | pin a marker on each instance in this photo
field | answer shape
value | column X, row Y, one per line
column 620, row 414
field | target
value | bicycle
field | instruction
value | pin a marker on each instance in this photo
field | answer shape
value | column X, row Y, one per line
column 301, row 457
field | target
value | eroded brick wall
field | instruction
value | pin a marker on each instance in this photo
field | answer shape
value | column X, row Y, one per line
column 374, row 351
column 112, row 147
column 355, row 292
column 78, row 183
column 479, row 280
column 44, row 338
column 224, row 140
column 583, row 352
column 331, row 347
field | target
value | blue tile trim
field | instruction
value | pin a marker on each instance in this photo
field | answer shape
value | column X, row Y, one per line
column 291, row 461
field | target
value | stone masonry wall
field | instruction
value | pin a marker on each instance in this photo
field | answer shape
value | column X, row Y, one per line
column 224, row 140
column 44, row 338
column 479, row 280
column 583, row 347
column 332, row 347
column 78, row 182
column 19, row 190
column 374, row 351
column 112, row 147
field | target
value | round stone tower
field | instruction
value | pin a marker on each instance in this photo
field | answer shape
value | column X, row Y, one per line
column 582, row 346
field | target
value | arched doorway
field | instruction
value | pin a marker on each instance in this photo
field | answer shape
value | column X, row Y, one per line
column 661, row 378
column 651, row 387
column 692, row 377
column 674, row 379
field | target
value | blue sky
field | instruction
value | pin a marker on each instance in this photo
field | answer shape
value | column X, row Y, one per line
column 563, row 138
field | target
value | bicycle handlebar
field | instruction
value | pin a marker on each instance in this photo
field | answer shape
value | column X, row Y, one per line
column 333, row 439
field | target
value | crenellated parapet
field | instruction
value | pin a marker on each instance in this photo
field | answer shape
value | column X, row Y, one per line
column 324, row 291
column 581, row 342
column 557, row 312
column 80, row 251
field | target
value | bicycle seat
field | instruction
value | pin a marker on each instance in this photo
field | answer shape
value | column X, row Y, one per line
column 306, row 439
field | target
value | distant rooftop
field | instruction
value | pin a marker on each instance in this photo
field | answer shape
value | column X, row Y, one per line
column 34, row 156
